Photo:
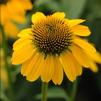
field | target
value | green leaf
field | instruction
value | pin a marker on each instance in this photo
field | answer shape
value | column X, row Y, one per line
column 94, row 9
column 73, row 8
column 49, row 4
column 40, row 2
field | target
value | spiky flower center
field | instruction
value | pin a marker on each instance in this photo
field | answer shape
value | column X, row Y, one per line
column 52, row 36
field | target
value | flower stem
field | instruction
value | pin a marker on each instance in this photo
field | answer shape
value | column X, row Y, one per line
column 73, row 92
column 44, row 91
column 7, row 68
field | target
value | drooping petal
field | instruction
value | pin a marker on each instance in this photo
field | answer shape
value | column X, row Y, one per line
column 58, row 72
column 60, row 15
column 84, row 44
column 84, row 59
column 48, row 69
column 27, row 66
column 80, row 56
column 38, row 17
column 80, row 30
column 94, row 56
column 75, row 22
column 36, row 69
column 68, row 66
column 77, row 66
column 23, row 54
column 88, row 49
column 93, row 66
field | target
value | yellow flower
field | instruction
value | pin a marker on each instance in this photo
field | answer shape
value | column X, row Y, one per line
column 52, row 45
column 13, row 11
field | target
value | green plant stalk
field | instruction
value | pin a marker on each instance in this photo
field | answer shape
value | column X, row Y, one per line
column 7, row 68
column 44, row 91
column 74, row 90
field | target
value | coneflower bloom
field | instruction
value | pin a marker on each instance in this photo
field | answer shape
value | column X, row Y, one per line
column 52, row 46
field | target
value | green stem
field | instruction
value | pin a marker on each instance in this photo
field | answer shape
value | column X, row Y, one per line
column 44, row 91
column 73, row 92
column 7, row 68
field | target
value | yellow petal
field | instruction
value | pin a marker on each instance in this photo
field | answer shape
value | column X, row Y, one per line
column 22, row 42
column 75, row 22
column 80, row 56
column 19, row 18
column 25, row 32
column 37, row 17
column 84, row 44
column 60, row 15
column 83, row 59
column 36, row 69
column 58, row 72
column 22, row 54
column 77, row 66
column 17, row 13
column 48, row 69
column 68, row 66
column 27, row 66
column 11, row 30
column 19, row 6
column 27, row 4
column 94, row 56
column 88, row 49
column 93, row 66
column 4, row 14
column 80, row 30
